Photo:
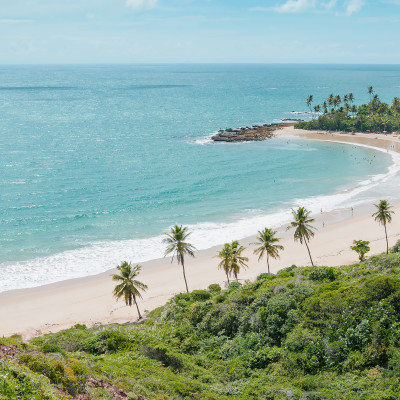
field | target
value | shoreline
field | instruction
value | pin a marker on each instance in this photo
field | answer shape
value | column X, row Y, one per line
column 89, row 300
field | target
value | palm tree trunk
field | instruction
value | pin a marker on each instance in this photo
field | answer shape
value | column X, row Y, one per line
column 237, row 280
column 227, row 277
column 184, row 275
column 387, row 242
column 140, row 316
column 268, row 262
column 309, row 252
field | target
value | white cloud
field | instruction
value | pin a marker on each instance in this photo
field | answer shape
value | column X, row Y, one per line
column 353, row 6
column 296, row 6
column 330, row 4
column 293, row 6
column 141, row 4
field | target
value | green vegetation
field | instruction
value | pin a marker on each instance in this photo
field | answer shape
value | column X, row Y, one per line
column 232, row 260
column 267, row 243
column 340, row 114
column 128, row 288
column 177, row 245
column 361, row 247
column 304, row 231
column 384, row 216
column 304, row 333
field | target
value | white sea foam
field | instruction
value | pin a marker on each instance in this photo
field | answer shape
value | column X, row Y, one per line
column 102, row 256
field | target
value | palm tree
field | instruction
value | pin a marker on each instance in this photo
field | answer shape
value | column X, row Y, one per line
column 267, row 240
column 396, row 105
column 303, row 230
column 128, row 288
column 370, row 92
column 176, row 244
column 225, row 255
column 317, row 109
column 237, row 260
column 309, row 101
column 383, row 216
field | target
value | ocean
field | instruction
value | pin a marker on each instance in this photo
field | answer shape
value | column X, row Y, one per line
column 96, row 162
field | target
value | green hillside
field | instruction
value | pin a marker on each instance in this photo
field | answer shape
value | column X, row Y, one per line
column 305, row 333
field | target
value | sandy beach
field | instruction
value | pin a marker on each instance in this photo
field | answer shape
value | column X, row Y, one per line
column 50, row 308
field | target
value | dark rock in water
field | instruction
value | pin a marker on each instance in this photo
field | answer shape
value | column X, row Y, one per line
column 256, row 133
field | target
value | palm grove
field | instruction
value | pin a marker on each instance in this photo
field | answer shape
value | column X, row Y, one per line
column 340, row 113
column 232, row 260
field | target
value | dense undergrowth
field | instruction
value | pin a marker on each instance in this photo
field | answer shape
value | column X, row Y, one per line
column 305, row 333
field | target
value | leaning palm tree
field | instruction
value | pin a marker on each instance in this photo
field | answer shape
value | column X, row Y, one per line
column 303, row 230
column 370, row 92
column 226, row 259
column 176, row 244
column 309, row 101
column 268, row 246
column 384, row 216
column 237, row 260
column 128, row 288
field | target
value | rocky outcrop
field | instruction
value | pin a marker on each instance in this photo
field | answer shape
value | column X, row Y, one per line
column 249, row 134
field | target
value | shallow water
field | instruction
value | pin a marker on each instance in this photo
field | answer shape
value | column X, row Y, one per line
column 97, row 161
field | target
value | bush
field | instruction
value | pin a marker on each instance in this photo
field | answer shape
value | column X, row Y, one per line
column 109, row 340
column 233, row 286
column 51, row 348
column 200, row 295
column 265, row 276
column 396, row 247
column 163, row 354
column 286, row 272
column 324, row 274
column 214, row 288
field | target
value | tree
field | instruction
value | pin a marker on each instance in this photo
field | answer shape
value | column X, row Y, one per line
column 317, row 109
column 370, row 92
column 226, row 256
column 383, row 216
column 309, row 101
column 268, row 246
column 303, row 230
column 128, row 288
column 361, row 247
column 237, row 260
column 176, row 244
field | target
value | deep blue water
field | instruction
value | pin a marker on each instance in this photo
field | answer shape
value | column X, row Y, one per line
column 97, row 161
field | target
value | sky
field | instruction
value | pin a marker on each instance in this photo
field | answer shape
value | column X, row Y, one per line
column 199, row 31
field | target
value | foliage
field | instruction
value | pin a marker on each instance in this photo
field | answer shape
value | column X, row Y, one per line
column 176, row 241
column 267, row 244
column 361, row 247
column 396, row 247
column 128, row 287
column 304, row 333
column 340, row 114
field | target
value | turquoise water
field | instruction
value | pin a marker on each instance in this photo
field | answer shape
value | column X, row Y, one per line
column 97, row 161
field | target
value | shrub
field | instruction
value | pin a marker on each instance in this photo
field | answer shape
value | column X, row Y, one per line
column 51, row 348
column 286, row 272
column 233, row 286
column 324, row 274
column 109, row 340
column 163, row 354
column 396, row 247
column 200, row 295
column 265, row 276
column 214, row 288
